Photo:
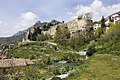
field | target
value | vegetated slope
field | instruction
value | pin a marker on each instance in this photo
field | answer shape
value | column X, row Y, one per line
column 44, row 54
column 40, row 50
column 100, row 67
column 32, row 50
column 110, row 41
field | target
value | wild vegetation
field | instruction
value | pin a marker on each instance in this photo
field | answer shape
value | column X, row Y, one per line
column 109, row 42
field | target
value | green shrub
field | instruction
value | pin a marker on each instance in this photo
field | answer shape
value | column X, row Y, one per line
column 91, row 48
column 62, row 35
column 56, row 72
column 43, row 37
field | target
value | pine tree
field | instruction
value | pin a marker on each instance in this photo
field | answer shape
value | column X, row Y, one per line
column 103, row 24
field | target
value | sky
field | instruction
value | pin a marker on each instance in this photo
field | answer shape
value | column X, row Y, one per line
column 18, row 15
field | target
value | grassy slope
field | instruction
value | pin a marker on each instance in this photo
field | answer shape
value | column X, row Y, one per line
column 37, row 49
column 100, row 67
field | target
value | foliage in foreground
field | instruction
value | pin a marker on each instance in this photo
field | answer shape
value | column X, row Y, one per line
column 100, row 67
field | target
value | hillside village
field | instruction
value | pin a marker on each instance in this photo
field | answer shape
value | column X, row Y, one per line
column 55, row 48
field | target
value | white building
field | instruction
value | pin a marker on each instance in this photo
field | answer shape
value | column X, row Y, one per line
column 113, row 18
column 96, row 25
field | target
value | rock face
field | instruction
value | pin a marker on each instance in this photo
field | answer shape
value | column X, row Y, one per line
column 52, row 30
column 73, row 26
column 77, row 25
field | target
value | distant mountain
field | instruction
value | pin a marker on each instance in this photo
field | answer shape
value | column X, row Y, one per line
column 55, row 22
column 16, row 37
column 20, row 33
column 46, row 24
column 39, row 24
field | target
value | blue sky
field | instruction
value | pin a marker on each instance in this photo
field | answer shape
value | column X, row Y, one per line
column 17, row 15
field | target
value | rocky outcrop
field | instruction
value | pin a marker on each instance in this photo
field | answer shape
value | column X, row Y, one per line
column 52, row 30
column 73, row 26
column 78, row 25
column 38, row 28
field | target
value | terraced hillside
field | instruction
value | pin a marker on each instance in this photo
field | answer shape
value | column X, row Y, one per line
column 50, row 60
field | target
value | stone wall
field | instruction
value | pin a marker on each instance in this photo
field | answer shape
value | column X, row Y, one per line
column 14, row 62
